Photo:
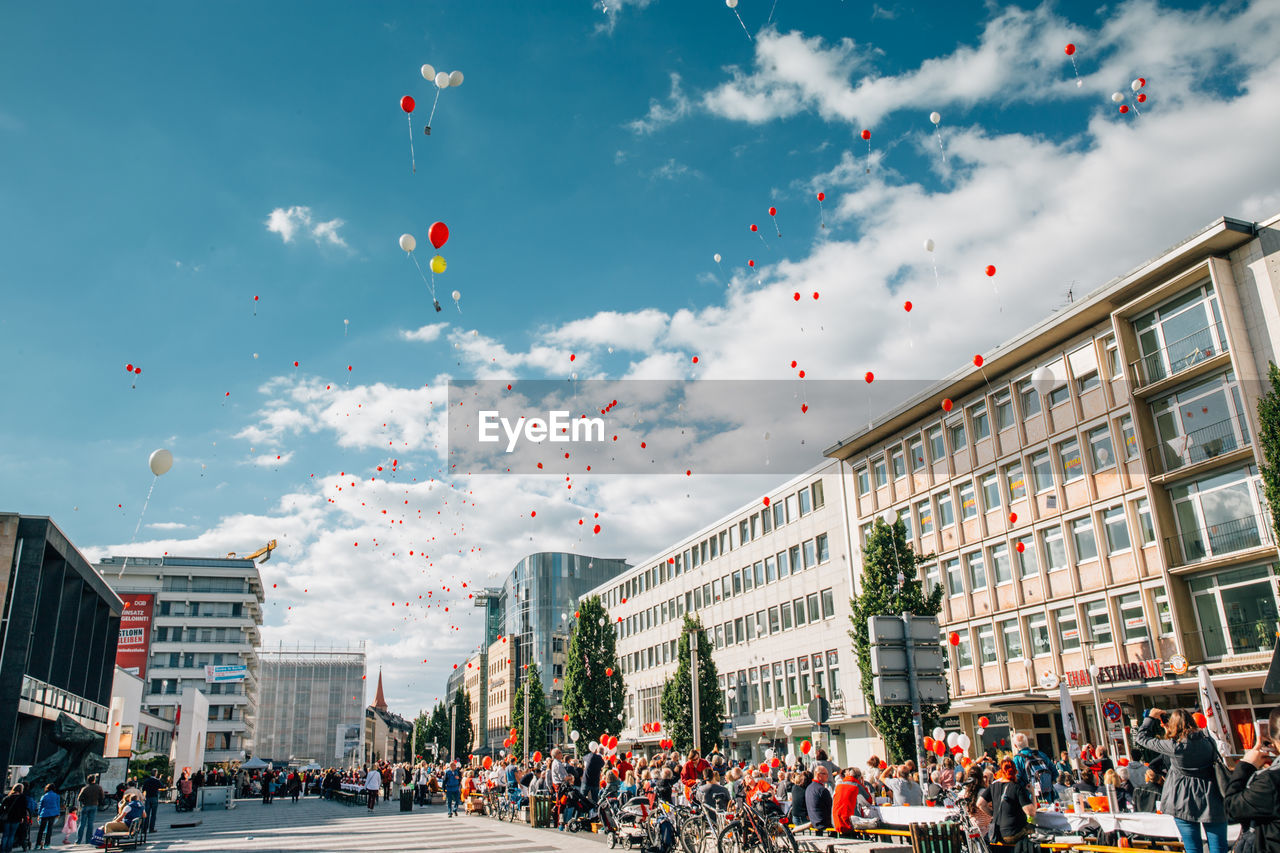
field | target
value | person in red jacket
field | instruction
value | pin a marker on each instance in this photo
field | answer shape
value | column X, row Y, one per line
column 845, row 804
column 691, row 774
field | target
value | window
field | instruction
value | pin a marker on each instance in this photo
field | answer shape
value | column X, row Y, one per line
column 774, row 625
column 1028, row 398
column 1164, row 617
column 937, row 447
column 791, row 500
column 1131, row 619
column 904, row 515
column 784, row 566
column 1059, row 395
column 1000, row 564
column 932, row 578
column 977, row 571
column 758, row 571
column 730, row 634
column 1235, row 610
column 964, row 654
column 786, row 617
column 1003, row 403
column 956, row 434
column 1129, row 437
column 780, row 514
column 924, row 513
column 1082, row 536
column 1114, row 369
column 882, row 475
column 1143, row 508
column 981, row 422
column 737, row 582
column 810, row 556
column 1011, row 635
column 828, row 603
column 916, row 451
column 1068, row 630
column 1217, row 514
column 968, row 501
column 819, row 496
column 986, row 644
column 795, row 558
column 1100, row 451
column 1016, row 482
column 1099, row 621
column 946, row 515
column 1117, row 529
column 990, row 492
column 1042, row 471
column 1088, row 381
column 811, row 601
column 1038, row 628
column 770, row 570
column 806, row 502
column 1025, row 548
column 747, row 575
column 798, row 606
column 1055, row 548
column 955, row 580
column 899, row 464
column 719, row 636
column 1069, row 460
column 1181, row 333
column 824, row 549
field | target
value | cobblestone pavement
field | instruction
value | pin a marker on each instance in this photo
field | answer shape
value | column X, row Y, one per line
column 321, row 826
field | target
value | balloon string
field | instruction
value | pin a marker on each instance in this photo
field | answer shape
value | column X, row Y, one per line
column 433, row 107
column 868, row 157
column 776, row 228
column 1075, row 67
column 937, row 283
column 413, row 161
column 744, row 26
column 430, row 284
column 938, row 131
column 138, row 526
column 822, row 215
column 775, row 6
column 762, row 240
column 1134, row 101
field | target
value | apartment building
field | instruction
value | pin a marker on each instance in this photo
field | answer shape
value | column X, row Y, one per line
column 1092, row 497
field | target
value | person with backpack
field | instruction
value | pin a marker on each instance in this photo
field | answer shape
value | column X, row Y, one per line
column 1034, row 769
column 1253, row 794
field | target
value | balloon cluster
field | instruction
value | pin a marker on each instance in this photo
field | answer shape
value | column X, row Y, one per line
column 437, row 235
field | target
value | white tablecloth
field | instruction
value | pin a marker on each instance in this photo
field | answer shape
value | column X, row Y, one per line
column 1149, row 824
column 352, row 787
column 903, row 815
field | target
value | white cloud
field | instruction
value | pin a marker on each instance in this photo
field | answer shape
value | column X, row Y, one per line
column 671, row 170
column 610, row 9
column 661, row 114
column 424, row 334
column 289, row 222
column 167, row 525
column 271, row 460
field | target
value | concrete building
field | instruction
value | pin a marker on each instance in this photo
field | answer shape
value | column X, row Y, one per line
column 131, row 729
column 307, row 697
column 204, row 615
column 1093, row 496
column 387, row 736
column 58, row 632
column 771, row 585
column 476, row 687
column 501, row 688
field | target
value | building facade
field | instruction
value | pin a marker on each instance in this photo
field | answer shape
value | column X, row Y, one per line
column 205, row 616
column 501, row 688
column 1091, row 494
column 387, row 736
column 771, row 584
column 307, row 699
column 58, row 633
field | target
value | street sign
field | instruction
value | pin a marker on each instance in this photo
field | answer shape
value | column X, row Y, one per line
column 1112, row 711
column 888, row 629
column 819, row 710
column 892, row 660
column 891, row 690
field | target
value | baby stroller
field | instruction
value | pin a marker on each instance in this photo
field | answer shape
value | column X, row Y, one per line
column 573, row 798
column 185, row 802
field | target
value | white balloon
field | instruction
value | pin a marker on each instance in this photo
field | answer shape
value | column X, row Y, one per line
column 769, row 753
column 1043, row 379
column 791, row 759
column 1135, row 85
column 1117, row 97
column 346, row 322
column 766, row 435
column 953, row 739
column 939, row 733
column 408, row 243
column 455, row 78
column 457, row 294
column 717, row 257
column 1079, row 84
column 786, row 730
column 935, row 117
column 442, row 80
column 732, row 4
column 594, row 745
column 428, row 73
column 964, row 742
column 161, row 461
column 573, row 735
column 889, row 516
column 928, row 244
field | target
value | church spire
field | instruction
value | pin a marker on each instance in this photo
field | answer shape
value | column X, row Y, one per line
column 379, row 701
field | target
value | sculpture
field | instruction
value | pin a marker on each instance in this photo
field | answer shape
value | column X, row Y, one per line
column 77, row 758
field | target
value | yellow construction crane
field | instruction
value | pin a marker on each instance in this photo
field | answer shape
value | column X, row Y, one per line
column 264, row 552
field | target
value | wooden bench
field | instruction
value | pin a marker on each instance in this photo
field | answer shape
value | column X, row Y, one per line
column 136, row 835
column 347, row 798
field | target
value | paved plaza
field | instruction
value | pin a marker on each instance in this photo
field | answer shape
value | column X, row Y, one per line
column 320, row 826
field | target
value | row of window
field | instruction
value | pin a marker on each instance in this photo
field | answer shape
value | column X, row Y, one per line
column 190, row 659
column 782, row 685
column 1031, row 634
column 182, row 583
column 815, row 607
column 169, row 687
column 974, row 571
column 782, row 511
column 797, row 558
column 175, row 634
column 201, row 608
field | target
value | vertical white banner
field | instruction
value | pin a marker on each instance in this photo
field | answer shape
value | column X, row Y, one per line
column 1215, row 714
column 1070, row 725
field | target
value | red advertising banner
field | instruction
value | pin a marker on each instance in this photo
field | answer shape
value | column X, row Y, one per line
column 135, row 633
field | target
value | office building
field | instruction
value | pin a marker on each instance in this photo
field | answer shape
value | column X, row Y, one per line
column 387, row 736
column 771, row 584
column 1093, row 500
column 307, row 699
column 197, row 629
column 58, row 633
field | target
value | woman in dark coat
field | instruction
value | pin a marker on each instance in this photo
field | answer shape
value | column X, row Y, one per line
column 1253, row 794
column 1190, row 793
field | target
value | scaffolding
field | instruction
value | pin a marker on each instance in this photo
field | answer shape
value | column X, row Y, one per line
column 309, row 701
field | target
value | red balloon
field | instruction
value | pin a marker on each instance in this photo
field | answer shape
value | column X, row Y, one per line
column 991, row 270
column 537, row 756
column 1142, row 81
column 1142, row 97
column 866, row 134
column 1013, row 518
column 815, row 295
column 1201, row 720
column 1124, row 108
column 793, row 363
column 957, row 749
column 884, row 765
column 870, row 377
column 802, row 374
column 796, row 296
column 906, row 306
column 657, row 727
column 939, row 748
column 928, row 743
column 822, row 196
column 608, row 671
column 406, row 103
column 766, row 501
column 1020, row 547
column 129, row 367
column 977, row 361
column 1123, row 762
column 1070, row 49
column 137, row 370
column 983, row 722
column 751, row 263
column 438, row 234
column 773, row 211
column 954, row 639
column 947, row 405
column 753, row 227
column 805, row 747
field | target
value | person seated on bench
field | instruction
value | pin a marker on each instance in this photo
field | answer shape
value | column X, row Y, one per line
column 131, row 809
column 817, row 800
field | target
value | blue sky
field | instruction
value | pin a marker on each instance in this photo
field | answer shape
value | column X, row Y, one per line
column 589, row 167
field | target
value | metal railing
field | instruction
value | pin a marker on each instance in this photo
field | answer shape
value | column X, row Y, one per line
column 44, row 694
column 1227, row 537
column 1199, row 444
column 1240, row 638
column 1180, row 355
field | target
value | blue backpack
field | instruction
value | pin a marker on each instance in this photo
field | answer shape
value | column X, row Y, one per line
column 1034, row 766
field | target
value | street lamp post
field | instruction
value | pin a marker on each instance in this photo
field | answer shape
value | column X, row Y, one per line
column 453, row 710
column 693, row 674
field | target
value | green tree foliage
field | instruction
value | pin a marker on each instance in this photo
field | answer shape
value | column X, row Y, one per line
column 463, row 734
column 539, row 717
column 437, row 729
column 593, row 688
column 421, row 725
column 887, row 555
column 1269, row 442
column 677, row 694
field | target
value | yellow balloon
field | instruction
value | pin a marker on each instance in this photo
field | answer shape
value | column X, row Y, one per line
column 438, row 265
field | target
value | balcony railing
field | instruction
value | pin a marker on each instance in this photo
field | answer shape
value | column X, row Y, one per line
column 1240, row 534
column 1180, row 355
column 1200, row 444
column 1240, row 638
column 46, row 695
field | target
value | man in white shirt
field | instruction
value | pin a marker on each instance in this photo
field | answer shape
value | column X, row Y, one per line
column 372, row 783
column 558, row 770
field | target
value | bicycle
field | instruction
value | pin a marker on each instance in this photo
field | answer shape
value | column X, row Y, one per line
column 751, row 831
